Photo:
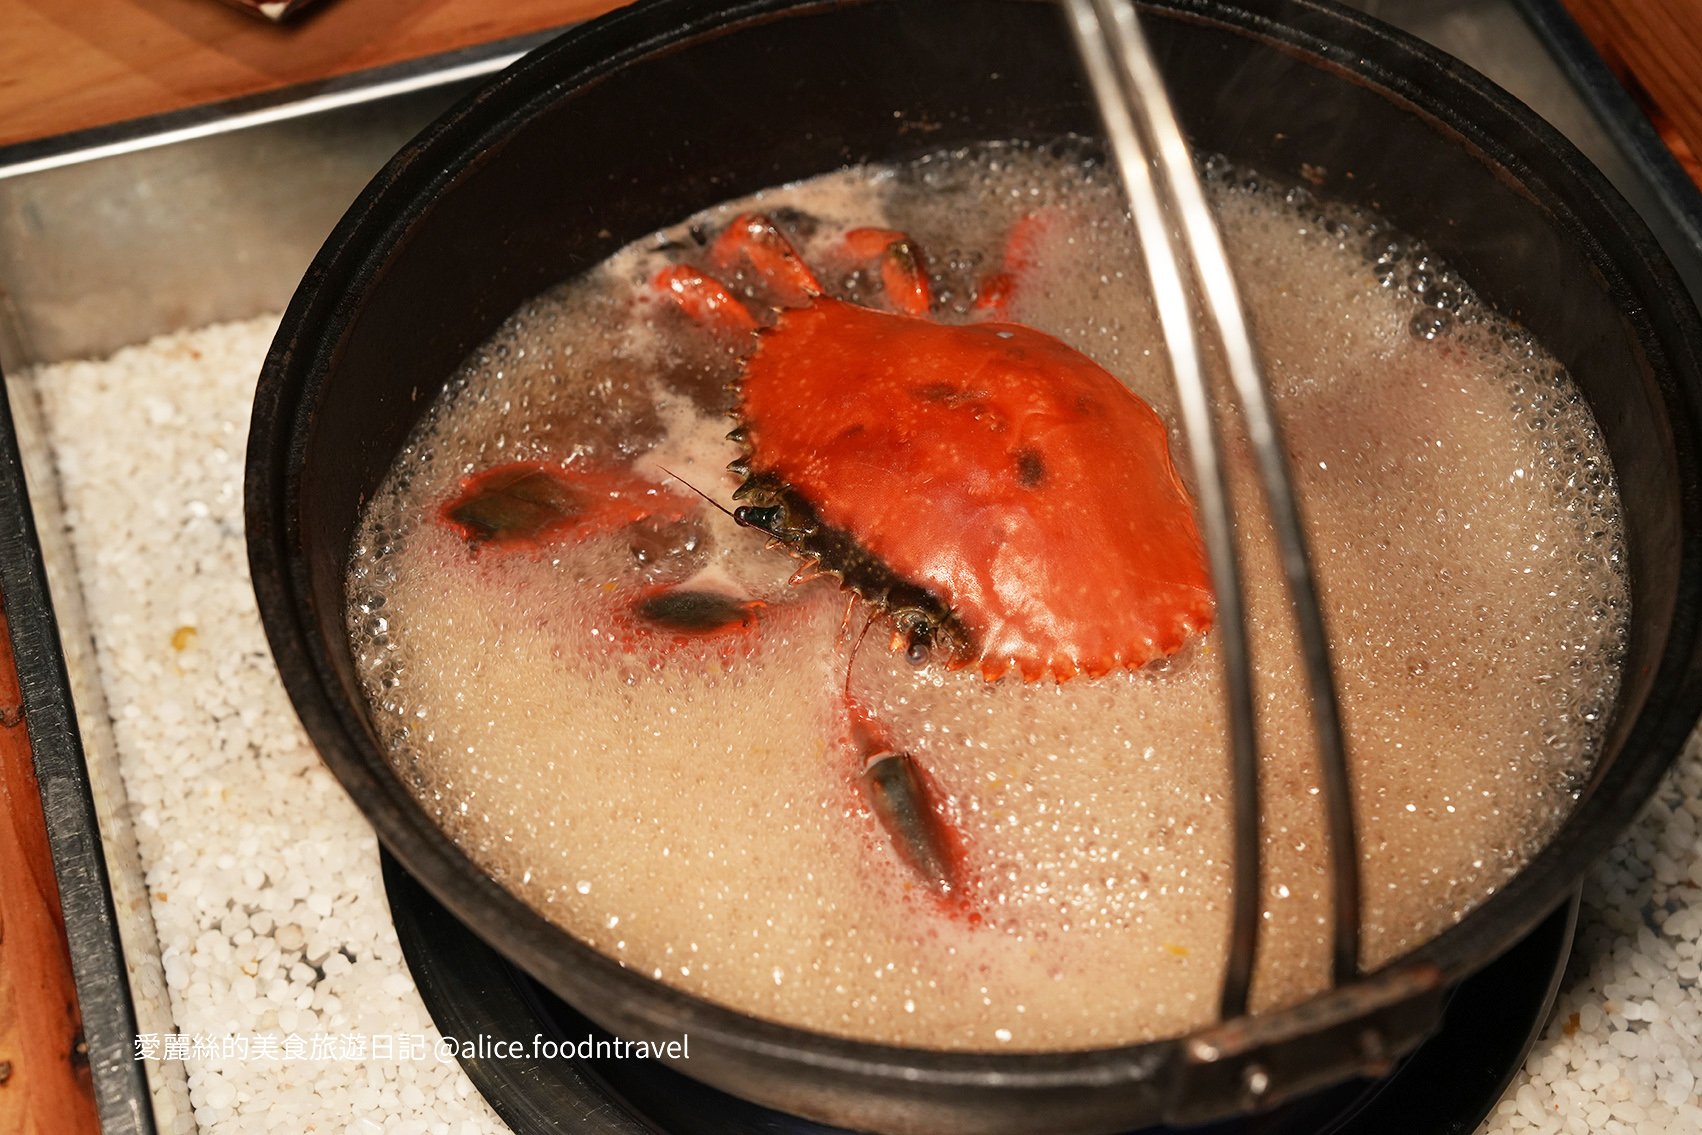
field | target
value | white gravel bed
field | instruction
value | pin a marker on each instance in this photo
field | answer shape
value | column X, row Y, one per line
column 264, row 879
column 1622, row 1054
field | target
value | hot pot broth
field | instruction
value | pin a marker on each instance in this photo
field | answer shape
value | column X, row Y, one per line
column 684, row 801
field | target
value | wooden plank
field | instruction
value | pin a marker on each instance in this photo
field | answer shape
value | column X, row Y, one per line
column 45, row 1087
column 73, row 64
column 1655, row 48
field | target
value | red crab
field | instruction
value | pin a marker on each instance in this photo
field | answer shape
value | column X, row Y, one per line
column 1004, row 498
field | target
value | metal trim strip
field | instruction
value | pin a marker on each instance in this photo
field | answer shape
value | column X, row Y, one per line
column 297, row 101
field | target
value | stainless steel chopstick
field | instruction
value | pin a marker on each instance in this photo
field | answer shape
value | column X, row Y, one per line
column 1182, row 248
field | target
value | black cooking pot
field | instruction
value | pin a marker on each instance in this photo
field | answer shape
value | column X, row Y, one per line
column 653, row 113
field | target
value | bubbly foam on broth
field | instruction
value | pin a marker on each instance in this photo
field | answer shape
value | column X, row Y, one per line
column 684, row 803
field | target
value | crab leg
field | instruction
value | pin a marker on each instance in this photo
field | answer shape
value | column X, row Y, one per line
column 904, row 274
column 995, row 292
column 753, row 237
column 704, row 299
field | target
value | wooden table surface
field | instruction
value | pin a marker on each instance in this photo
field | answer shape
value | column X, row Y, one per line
column 71, row 64
column 45, row 1088
column 1655, row 47
column 68, row 65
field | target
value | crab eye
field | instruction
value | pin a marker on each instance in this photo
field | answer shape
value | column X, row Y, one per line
column 916, row 649
column 762, row 519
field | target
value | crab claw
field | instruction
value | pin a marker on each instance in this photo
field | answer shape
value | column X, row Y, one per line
column 699, row 611
column 900, row 798
column 903, row 801
column 904, row 275
column 529, row 503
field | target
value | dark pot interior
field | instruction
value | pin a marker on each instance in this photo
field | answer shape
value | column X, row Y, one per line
column 653, row 113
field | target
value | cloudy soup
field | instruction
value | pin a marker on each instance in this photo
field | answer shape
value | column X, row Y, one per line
column 759, row 789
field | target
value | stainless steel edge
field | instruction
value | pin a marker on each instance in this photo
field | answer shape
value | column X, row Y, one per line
column 75, row 839
column 103, row 254
column 299, row 101
column 150, row 1005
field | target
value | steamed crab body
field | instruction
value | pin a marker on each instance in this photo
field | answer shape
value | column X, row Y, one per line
column 1006, row 500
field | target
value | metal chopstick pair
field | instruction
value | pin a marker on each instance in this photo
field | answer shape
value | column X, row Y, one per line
column 1184, row 251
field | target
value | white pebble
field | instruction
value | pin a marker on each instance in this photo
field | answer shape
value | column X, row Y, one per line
column 1627, row 1062
column 219, row 1093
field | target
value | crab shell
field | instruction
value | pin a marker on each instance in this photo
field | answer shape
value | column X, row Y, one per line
column 998, row 491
